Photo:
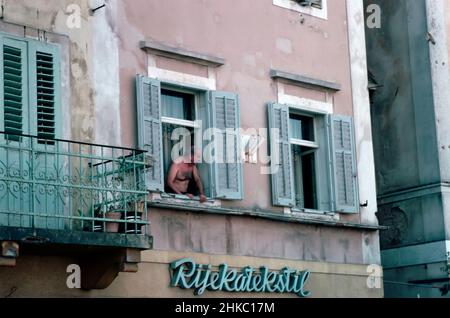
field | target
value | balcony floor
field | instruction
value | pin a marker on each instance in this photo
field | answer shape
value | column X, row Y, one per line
column 77, row 238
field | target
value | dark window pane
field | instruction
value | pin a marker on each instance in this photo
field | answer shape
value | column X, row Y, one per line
column 301, row 127
column 177, row 105
column 304, row 177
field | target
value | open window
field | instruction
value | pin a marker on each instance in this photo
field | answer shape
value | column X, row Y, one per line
column 178, row 125
column 169, row 114
column 304, row 150
column 313, row 160
column 310, row 3
column 315, row 8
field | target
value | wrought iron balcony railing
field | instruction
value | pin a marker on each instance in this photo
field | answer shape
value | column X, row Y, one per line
column 67, row 186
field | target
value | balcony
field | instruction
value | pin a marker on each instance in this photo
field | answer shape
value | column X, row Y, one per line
column 60, row 192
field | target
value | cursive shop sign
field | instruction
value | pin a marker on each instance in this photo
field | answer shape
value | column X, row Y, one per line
column 186, row 274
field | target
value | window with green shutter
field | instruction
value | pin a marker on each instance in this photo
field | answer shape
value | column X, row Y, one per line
column 313, row 160
column 227, row 167
column 15, row 84
column 150, row 129
column 343, row 154
column 280, row 151
column 30, row 105
column 30, row 86
column 163, row 109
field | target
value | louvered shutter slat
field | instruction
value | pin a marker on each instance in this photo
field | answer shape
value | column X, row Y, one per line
column 13, row 95
column 45, row 97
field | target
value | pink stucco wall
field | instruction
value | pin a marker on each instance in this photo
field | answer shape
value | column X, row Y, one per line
column 253, row 36
column 239, row 31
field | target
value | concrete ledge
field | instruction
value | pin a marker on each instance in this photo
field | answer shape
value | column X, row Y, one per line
column 75, row 238
column 301, row 80
column 412, row 193
column 420, row 254
column 165, row 50
column 280, row 217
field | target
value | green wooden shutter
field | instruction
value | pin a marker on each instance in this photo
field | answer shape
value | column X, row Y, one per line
column 343, row 156
column 281, row 156
column 13, row 87
column 45, row 123
column 227, row 165
column 14, row 120
column 45, row 87
column 150, row 129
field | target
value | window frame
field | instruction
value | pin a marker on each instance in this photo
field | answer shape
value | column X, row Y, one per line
column 206, row 118
column 321, row 13
column 314, row 147
column 197, row 93
column 323, row 176
column 312, row 3
column 177, row 121
column 304, row 142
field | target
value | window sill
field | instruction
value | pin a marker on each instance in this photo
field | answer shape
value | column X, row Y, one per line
column 313, row 214
column 177, row 199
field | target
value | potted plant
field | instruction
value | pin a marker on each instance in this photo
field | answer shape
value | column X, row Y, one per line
column 108, row 225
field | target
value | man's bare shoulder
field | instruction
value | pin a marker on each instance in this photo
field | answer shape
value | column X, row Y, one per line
column 175, row 165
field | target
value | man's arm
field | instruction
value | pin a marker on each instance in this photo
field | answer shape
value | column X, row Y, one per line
column 171, row 178
column 198, row 182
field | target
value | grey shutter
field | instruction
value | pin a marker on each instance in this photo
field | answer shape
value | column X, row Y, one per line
column 150, row 129
column 226, row 174
column 281, row 156
column 343, row 156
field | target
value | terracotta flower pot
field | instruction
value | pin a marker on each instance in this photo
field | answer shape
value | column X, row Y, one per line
column 112, row 227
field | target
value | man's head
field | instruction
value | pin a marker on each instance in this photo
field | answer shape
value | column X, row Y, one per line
column 193, row 155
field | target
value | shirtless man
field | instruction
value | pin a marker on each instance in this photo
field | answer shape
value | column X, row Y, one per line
column 181, row 172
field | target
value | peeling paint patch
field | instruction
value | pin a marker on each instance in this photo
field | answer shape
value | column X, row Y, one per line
column 284, row 45
column 261, row 73
column 249, row 60
column 77, row 71
column 179, row 39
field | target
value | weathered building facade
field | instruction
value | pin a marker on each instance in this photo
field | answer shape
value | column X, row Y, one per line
column 129, row 73
column 408, row 67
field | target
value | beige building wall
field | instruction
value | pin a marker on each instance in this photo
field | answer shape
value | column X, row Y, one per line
column 45, row 276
